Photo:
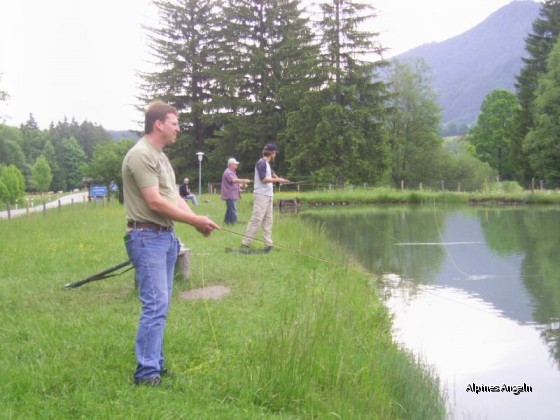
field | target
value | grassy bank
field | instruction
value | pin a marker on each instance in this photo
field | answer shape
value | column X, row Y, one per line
column 296, row 337
column 393, row 196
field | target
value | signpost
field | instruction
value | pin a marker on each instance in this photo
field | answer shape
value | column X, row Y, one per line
column 98, row 191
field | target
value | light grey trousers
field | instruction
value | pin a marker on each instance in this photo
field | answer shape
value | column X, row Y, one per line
column 262, row 216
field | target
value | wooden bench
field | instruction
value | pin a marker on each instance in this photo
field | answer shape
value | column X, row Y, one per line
column 289, row 205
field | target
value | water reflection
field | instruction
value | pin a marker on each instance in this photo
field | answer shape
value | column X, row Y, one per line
column 482, row 295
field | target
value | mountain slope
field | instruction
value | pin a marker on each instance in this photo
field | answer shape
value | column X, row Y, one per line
column 469, row 66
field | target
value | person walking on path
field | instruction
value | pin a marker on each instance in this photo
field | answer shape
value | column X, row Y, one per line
column 263, row 195
column 152, row 204
column 231, row 191
column 186, row 193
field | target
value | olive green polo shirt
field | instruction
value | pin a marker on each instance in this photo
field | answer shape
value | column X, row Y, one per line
column 146, row 166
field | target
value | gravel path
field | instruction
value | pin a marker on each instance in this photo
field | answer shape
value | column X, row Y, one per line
column 76, row 198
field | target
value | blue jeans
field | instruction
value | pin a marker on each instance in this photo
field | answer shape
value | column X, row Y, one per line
column 153, row 254
column 192, row 197
column 231, row 212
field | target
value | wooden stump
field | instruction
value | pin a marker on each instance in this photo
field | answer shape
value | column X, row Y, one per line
column 183, row 265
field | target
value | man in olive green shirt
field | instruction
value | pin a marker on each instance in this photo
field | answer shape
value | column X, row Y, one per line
column 152, row 204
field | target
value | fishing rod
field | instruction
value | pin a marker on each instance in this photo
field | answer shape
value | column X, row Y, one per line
column 295, row 251
column 101, row 275
column 298, row 182
column 378, row 279
column 107, row 273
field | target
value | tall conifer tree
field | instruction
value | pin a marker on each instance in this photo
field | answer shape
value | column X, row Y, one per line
column 542, row 143
column 337, row 135
column 538, row 45
column 182, row 48
column 268, row 62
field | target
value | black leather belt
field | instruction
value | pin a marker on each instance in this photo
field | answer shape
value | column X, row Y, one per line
column 149, row 225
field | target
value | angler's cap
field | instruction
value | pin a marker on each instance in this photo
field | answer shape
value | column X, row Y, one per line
column 271, row 148
column 232, row 160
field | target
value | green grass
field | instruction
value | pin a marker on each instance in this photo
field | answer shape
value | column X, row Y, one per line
column 494, row 196
column 297, row 337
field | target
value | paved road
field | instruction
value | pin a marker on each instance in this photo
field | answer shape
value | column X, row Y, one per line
column 67, row 199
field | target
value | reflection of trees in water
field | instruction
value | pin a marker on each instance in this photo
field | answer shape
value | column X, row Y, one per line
column 373, row 235
column 535, row 233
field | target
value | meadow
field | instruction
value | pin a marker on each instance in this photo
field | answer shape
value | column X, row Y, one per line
column 296, row 338
column 504, row 193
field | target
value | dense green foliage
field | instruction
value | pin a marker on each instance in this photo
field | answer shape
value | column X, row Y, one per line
column 41, row 174
column 412, row 124
column 67, row 148
column 297, row 337
column 494, row 130
column 12, row 184
column 309, row 78
column 542, row 143
column 254, row 67
column 518, row 137
column 11, row 147
column 538, row 46
column 107, row 162
column 246, row 73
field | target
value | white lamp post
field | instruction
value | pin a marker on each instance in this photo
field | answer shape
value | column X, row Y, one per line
column 199, row 154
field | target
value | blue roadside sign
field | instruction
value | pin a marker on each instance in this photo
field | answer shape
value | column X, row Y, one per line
column 98, row 191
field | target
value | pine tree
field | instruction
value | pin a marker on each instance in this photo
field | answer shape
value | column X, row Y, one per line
column 183, row 48
column 538, row 46
column 58, row 183
column 542, row 143
column 343, row 140
column 269, row 62
column 34, row 139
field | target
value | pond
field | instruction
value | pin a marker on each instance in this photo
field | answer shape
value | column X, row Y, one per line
column 475, row 293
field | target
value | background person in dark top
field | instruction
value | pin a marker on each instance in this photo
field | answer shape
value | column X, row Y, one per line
column 186, row 193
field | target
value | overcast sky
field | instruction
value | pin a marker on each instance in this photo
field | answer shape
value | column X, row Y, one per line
column 79, row 58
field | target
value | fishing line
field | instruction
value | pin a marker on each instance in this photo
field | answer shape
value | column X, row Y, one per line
column 295, row 251
column 384, row 280
column 467, row 276
column 206, row 303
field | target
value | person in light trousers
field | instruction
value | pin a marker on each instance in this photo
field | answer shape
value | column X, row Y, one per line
column 263, row 195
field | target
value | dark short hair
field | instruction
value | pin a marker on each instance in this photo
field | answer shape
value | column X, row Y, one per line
column 157, row 111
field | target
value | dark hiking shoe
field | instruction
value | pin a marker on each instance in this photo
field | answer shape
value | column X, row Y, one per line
column 166, row 373
column 151, row 381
